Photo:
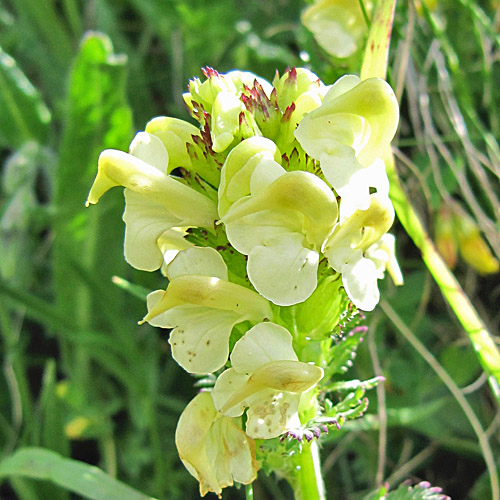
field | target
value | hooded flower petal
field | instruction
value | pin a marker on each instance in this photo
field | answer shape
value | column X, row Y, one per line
column 116, row 168
column 239, row 166
column 213, row 448
column 155, row 203
column 202, row 309
column 349, row 131
column 282, row 228
column 267, row 378
column 352, row 250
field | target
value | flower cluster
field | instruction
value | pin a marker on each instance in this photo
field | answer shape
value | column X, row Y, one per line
column 280, row 192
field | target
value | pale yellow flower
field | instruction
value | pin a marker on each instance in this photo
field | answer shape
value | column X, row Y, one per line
column 348, row 134
column 279, row 219
column 338, row 26
column 202, row 307
column 213, row 448
column 157, row 206
column 360, row 249
column 267, row 378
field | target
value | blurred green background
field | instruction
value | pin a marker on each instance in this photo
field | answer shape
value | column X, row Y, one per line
column 79, row 377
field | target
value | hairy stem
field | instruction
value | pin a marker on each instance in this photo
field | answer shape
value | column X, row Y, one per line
column 308, row 484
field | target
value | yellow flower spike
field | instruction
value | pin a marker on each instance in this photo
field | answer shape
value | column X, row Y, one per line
column 116, row 168
column 213, row 448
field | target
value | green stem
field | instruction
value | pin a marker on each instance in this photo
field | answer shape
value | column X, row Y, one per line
column 377, row 46
column 308, row 483
column 249, row 492
column 483, row 343
column 365, row 14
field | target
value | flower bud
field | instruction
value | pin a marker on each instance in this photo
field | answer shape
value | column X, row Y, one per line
column 472, row 246
column 445, row 237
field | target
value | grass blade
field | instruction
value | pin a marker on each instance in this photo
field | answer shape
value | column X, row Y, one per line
column 77, row 477
column 24, row 116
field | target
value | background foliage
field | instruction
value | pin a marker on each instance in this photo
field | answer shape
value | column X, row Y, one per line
column 81, row 379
